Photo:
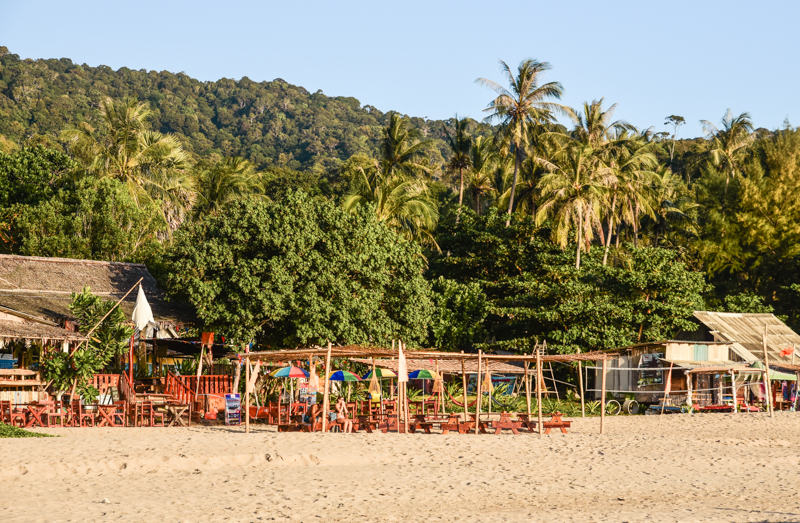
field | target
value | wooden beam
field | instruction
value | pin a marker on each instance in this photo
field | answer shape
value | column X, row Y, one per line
column 246, row 393
column 539, row 388
column 580, row 384
column 603, row 401
column 768, row 381
column 325, row 402
column 478, row 404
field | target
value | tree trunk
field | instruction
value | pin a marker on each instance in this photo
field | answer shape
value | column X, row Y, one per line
column 580, row 239
column 610, row 228
column 477, row 203
column 616, row 241
column 460, row 192
column 513, row 186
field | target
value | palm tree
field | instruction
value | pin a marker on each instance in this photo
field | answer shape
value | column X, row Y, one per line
column 729, row 145
column 522, row 108
column 152, row 165
column 483, row 165
column 593, row 125
column 674, row 208
column 459, row 143
column 631, row 158
column 574, row 192
column 403, row 203
column 222, row 182
column 403, row 149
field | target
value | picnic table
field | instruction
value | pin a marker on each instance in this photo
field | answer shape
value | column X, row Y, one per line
column 482, row 425
column 106, row 415
column 505, row 422
column 35, row 411
column 419, row 421
column 556, row 423
column 175, row 411
column 454, row 423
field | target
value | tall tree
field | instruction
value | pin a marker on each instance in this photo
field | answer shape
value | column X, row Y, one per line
column 573, row 194
column 483, row 165
column 730, row 144
column 459, row 142
column 675, row 121
column 219, row 183
column 403, row 149
column 151, row 164
column 521, row 108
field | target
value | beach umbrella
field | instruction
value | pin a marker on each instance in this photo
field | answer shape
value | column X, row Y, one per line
column 422, row 374
column 289, row 372
column 343, row 375
column 380, row 373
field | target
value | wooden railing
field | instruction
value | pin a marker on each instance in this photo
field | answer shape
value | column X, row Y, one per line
column 126, row 390
column 218, row 385
column 176, row 387
column 103, row 382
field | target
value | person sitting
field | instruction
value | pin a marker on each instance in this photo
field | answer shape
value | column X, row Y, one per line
column 341, row 416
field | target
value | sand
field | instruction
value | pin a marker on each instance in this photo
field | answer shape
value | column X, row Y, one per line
column 702, row 467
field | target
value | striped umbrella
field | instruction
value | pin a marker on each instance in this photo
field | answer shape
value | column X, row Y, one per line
column 343, row 375
column 380, row 373
column 289, row 372
column 422, row 375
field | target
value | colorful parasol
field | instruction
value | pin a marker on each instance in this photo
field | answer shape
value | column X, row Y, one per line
column 289, row 372
column 343, row 375
column 422, row 375
column 380, row 373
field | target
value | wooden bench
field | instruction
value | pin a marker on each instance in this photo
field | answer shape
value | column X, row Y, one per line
column 556, row 423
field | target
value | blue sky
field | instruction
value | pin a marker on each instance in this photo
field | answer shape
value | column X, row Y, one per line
column 654, row 59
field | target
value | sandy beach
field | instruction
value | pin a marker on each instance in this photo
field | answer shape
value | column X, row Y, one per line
column 702, row 467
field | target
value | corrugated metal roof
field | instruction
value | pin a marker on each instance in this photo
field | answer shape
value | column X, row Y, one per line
column 745, row 333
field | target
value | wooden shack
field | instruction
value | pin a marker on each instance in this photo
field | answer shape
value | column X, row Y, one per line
column 643, row 370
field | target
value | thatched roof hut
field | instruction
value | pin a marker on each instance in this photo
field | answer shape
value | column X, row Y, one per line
column 34, row 288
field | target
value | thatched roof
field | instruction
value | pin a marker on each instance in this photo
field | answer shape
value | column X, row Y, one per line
column 35, row 331
column 745, row 333
column 42, row 286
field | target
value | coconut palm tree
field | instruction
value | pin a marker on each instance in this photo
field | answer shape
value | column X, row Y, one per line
column 484, row 163
column 730, row 144
column 222, row 182
column 593, row 125
column 521, row 108
column 674, row 207
column 404, row 203
column 403, row 149
column 152, row 165
column 574, row 194
column 459, row 142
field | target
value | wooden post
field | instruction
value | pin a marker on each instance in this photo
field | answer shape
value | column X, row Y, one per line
column 527, row 389
column 603, row 400
column 538, row 388
column 767, row 380
column 667, row 387
column 553, row 377
column 478, row 404
column 441, row 392
column 325, row 372
column 246, row 394
column 580, row 384
column 405, row 398
column 733, row 389
column 464, row 383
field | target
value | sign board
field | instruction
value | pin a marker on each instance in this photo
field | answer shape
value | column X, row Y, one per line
column 308, row 394
column 233, row 409
column 651, row 377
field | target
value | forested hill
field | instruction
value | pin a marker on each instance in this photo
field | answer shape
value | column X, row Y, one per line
column 269, row 123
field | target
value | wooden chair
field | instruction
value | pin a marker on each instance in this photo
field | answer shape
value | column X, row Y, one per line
column 10, row 416
column 81, row 418
column 150, row 415
column 119, row 416
column 57, row 411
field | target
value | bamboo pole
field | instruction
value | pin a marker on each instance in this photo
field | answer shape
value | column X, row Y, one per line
column 527, row 389
column 325, row 372
column 464, row 383
column 603, row 400
column 539, row 388
column 246, row 395
column 405, row 396
column 553, row 377
column 667, row 387
column 441, row 391
column 733, row 389
column 478, row 404
column 580, row 384
column 767, row 380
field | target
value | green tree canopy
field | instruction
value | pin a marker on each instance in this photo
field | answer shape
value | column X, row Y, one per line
column 300, row 272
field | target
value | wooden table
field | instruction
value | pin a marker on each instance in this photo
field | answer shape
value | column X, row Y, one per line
column 105, row 416
column 176, row 412
column 527, row 422
column 482, row 425
column 505, row 422
column 418, row 421
column 556, row 423
column 35, row 412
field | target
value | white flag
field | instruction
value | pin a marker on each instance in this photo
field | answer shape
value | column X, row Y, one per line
column 402, row 370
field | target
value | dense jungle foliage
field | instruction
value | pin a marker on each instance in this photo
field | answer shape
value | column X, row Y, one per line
column 290, row 218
